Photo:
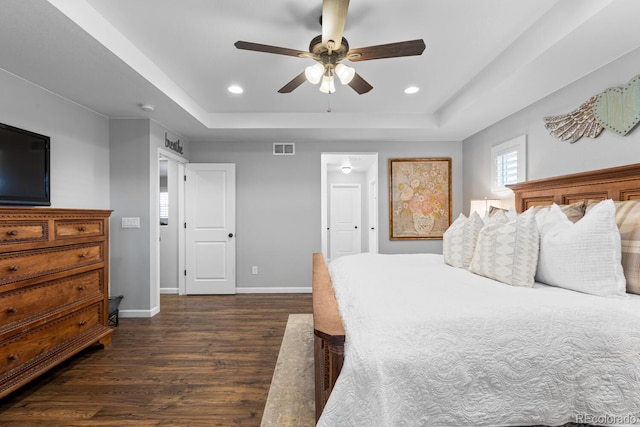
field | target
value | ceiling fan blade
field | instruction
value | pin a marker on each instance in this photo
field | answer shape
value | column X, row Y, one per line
column 391, row 50
column 293, row 84
column 334, row 16
column 359, row 84
column 257, row 47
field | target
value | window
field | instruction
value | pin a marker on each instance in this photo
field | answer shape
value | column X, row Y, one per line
column 164, row 208
column 508, row 163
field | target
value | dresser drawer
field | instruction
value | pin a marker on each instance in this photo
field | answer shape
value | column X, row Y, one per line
column 25, row 304
column 24, row 265
column 35, row 344
column 67, row 229
column 23, row 232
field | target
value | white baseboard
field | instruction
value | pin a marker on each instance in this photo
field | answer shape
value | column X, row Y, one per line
column 274, row 290
column 169, row 291
column 139, row 313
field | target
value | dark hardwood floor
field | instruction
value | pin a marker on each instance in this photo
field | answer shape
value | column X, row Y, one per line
column 203, row 361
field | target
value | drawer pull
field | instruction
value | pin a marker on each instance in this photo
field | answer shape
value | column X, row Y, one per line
column 14, row 268
column 82, row 323
column 11, row 310
column 82, row 228
column 12, row 357
column 83, row 255
column 81, row 288
column 12, row 233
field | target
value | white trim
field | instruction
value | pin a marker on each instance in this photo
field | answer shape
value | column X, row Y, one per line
column 169, row 291
column 324, row 214
column 139, row 313
column 154, row 245
column 274, row 290
column 181, row 232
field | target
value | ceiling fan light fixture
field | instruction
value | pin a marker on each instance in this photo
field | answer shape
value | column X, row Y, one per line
column 345, row 73
column 327, row 85
column 314, row 73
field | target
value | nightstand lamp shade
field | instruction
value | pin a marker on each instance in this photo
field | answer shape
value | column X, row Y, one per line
column 482, row 206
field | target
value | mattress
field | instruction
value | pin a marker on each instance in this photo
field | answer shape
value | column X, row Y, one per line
column 432, row 345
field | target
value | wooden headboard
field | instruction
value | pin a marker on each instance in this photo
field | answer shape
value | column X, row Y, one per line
column 617, row 183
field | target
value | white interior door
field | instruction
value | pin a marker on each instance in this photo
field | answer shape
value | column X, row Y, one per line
column 373, row 217
column 210, row 228
column 345, row 220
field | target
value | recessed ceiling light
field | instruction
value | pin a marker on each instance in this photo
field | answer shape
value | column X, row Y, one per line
column 412, row 89
column 235, row 89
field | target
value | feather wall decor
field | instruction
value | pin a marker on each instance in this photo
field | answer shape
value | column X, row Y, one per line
column 576, row 124
column 616, row 109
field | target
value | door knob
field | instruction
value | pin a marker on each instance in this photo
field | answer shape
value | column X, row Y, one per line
column 356, row 226
column 230, row 234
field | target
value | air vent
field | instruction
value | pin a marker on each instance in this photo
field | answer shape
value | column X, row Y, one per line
column 281, row 149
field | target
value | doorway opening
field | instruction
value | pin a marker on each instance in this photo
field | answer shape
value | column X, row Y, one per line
column 169, row 245
column 341, row 173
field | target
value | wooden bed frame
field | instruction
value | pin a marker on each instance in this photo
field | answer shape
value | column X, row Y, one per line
column 618, row 183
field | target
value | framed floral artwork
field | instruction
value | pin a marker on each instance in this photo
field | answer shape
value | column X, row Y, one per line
column 419, row 198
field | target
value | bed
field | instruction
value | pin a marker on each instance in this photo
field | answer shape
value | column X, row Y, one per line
column 549, row 355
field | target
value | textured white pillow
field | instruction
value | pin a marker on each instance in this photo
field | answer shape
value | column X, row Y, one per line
column 585, row 256
column 459, row 241
column 508, row 252
column 498, row 216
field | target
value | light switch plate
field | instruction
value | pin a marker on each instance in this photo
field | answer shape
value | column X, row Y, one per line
column 131, row 222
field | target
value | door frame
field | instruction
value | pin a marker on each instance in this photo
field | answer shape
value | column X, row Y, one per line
column 372, row 174
column 155, row 214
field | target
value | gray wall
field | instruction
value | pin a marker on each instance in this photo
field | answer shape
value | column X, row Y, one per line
column 130, row 198
column 278, row 203
column 79, row 141
column 546, row 155
column 134, row 193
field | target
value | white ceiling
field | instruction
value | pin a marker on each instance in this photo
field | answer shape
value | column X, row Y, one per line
column 484, row 60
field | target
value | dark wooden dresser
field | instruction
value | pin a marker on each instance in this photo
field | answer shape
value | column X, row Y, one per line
column 53, row 288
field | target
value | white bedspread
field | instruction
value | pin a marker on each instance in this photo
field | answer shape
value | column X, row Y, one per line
column 431, row 345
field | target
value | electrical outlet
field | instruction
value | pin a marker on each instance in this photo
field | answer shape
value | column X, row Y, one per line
column 254, row 269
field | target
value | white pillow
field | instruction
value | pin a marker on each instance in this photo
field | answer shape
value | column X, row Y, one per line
column 498, row 216
column 508, row 252
column 585, row 256
column 459, row 240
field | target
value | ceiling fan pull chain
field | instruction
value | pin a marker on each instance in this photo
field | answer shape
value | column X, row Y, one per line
column 329, row 102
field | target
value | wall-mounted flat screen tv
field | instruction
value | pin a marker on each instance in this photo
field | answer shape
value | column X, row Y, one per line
column 24, row 167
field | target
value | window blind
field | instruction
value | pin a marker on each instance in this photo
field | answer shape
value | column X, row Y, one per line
column 164, row 205
column 507, row 168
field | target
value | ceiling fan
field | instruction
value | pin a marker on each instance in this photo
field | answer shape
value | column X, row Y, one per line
column 329, row 50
